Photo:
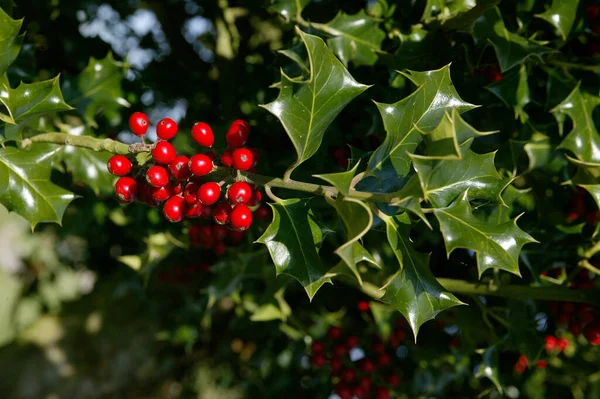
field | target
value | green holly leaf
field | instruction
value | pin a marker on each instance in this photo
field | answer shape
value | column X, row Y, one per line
column 407, row 119
column 10, row 40
column 497, row 245
column 511, row 49
column 511, row 196
column 443, row 9
column 583, row 141
column 99, row 89
column 28, row 101
column 561, row 15
column 413, row 290
column 293, row 238
column 523, row 333
column 513, row 90
column 342, row 180
column 356, row 38
column 288, row 9
column 444, row 180
column 25, row 186
column 488, row 367
column 444, row 141
column 305, row 109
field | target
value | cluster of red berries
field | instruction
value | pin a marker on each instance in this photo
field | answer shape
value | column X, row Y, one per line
column 581, row 207
column 522, row 364
column 490, row 73
column 370, row 377
column 182, row 275
column 579, row 319
column 179, row 182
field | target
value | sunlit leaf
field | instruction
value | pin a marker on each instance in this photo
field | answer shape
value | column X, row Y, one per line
column 305, row 109
column 288, row 9
column 10, row 40
column 292, row 239
column 407, row 119
column 561, row 15
column 488, row 367
column 497, row 246
column 25, row 186
column 413, row 290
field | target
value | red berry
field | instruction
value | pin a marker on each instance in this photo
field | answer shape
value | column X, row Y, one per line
column 384, row 360
column 382, row 393
column 219, row 248
column 166, row 129
column 194, row 210
column 393, row 380
column 240, row 217
column 190, row 193
column 365, row 383
column 360, row 392
column 541, row 364
column 239, row 193
column 348, row 375
column 255, row 199
column 138, row 123
column 241, row 122
column 164, row 153
column 162, row 193
column 119, row 165
column 200, row 165
column 593, row 12
column 591, row 332
column 209, row 193
column 317, row 347
column 174, row 209
column 179, row 168
column 367, row 365
column 144, row 193
column 562, row 344
column 399, row 334
column 340, row 350
column 237, row 135
column 263, row 213
column 318, row 360
column 363, row 306
column 551, row 343
column 378, row 347
column 203, row 134
column 576, row 328
column 221, row 213
column 523, row 360
column 157, row 176
column 236, row 236
column 334, row 333
column 586, row 314
column 335, row 364
column 205, row 235
column 207, row 212
column 227, row 158
column 352, row 341
column 344, row 392
column 126, row 189
column 219, row 232
column 242, row 159
column 255, row 156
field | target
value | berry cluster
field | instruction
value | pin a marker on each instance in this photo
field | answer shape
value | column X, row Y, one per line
column 372, row 376
column 582, row 207
column 489, row 73
column 181, row 183
column 522, row 364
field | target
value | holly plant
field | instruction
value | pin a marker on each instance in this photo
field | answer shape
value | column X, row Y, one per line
column 365, row 199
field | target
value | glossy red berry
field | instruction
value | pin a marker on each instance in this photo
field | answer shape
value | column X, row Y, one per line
column 174, row 209
column 384, row 360
column 340, row 350
column 166, row 129
column 317, row 346
column 591, row 332
column 255, row 156
column 240, row 217
column 393, row 379
column 239, row 193
column 334, row 333
column 207, row 212
column 221, row 213
column 363, row 306
column 219, row 248
column 241, row 122
column 209, row 193
column 263, row 213
column 318, row 360
column 162, row 193
column 367, row 365
column 179, row 168
column 203, row 134
column 551, row 343
column 227, row 158
column 126, row 189
column 352, row 341
column 138, row 123
column 144, row 193
column 164, row 153
column 382, row 393
column 119, row 165
column 255, row 199
column 242, row 159
column 219, row 232
column 562, row 344
column 194, row 210
column 237, row 135
column 348, row 375
column 190, row 193
column 157, row 176
column 200, row 165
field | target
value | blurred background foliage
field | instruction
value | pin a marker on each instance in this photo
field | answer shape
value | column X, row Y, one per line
column 114, row 305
